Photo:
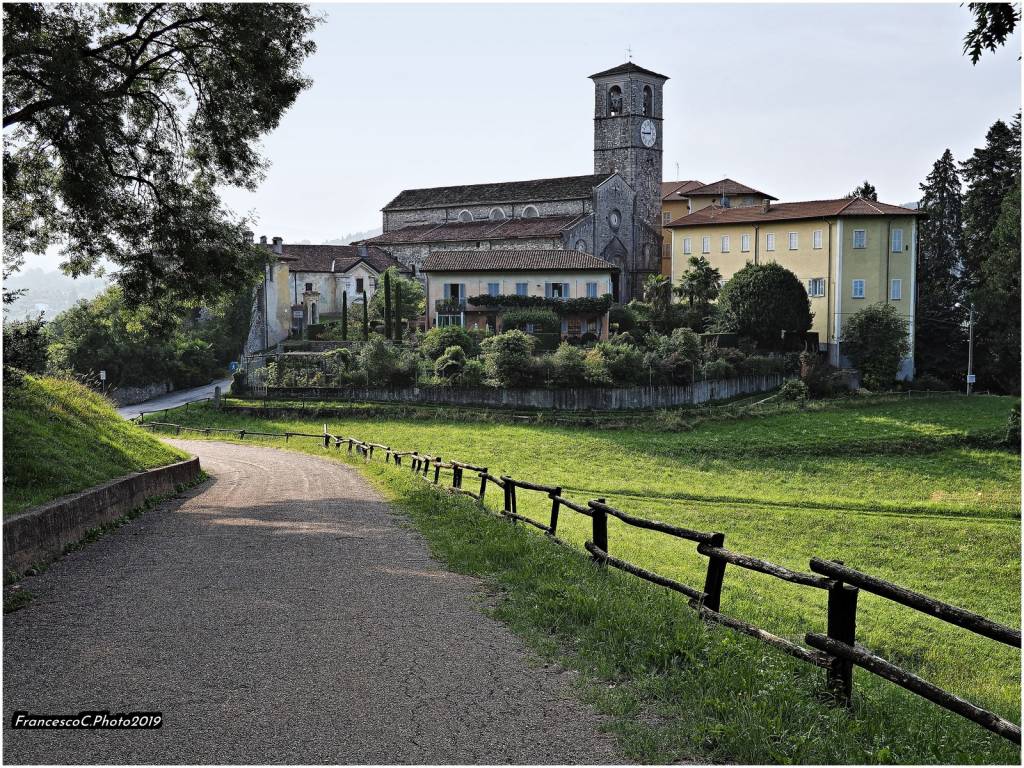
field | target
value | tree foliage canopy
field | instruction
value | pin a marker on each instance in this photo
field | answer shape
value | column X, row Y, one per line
column 120, row 122
column 875, row 339
column 761, row 301
column 993, row 24
column 866, row 190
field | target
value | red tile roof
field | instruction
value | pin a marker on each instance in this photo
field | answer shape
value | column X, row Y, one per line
column 678, row 188
column 514, row 260
column 336, row 258
column 458, row 231
column 811, row 209
column 727, row 187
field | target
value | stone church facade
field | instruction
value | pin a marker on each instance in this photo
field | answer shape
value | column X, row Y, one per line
column 613, row 213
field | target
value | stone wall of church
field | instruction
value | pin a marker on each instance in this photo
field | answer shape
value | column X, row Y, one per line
column 397, row 219
column 614, row 231
column 413, row 254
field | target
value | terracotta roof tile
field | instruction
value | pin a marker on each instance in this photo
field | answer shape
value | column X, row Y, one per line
column 530, row 191
column 811, row 209
column 321, row 258
column 513, row 260
column 678, row 188
column 727, row 187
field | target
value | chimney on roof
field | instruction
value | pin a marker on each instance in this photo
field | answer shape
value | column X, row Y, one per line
column 247, row 236
column 263, row 239
column 765, row 205
column 363, row 251
column 278, row 245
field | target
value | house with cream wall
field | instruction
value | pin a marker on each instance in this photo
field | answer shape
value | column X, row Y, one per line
column 849, row 253
column 453, row 278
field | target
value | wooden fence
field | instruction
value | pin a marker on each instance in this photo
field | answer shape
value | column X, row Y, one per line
column 836, row 651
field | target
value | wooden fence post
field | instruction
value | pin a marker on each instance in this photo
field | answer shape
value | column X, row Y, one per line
column 842, row 626
column 456, row 477
column 327, row 438
column 512, row 497
column 437, row 469
column 350, row 445
column 600, row 530
column 715, row 575
column 483, row 484
column 554, row 509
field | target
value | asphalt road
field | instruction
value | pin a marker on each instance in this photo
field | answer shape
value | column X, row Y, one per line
column 280, row 613
column 174, row 399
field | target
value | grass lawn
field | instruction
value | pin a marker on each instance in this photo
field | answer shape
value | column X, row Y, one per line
column 913, row 491
column 60, row 437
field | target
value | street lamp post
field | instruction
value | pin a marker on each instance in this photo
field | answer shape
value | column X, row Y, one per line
column 970, row 346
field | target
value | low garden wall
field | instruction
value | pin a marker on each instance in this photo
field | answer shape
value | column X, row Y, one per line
column 41, row 534
column 132, row 395
column 590, row 399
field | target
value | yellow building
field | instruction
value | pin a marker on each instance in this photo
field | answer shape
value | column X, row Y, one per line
column 681, row 198
column 849, row 253
column 459, row 282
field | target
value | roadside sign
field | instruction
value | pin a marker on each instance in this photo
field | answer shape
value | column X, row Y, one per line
column 971, row 378
column 103, row 375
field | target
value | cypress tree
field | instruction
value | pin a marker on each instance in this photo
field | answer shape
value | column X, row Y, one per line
column 939, row 343
column 344, row 315
column 366, row 318
column 387, row 304
column 398, row 309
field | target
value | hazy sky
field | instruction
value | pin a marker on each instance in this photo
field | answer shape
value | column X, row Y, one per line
column 801, row 101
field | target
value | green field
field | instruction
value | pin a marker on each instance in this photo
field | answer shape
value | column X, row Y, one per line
column 913, row 491
column 60, row 437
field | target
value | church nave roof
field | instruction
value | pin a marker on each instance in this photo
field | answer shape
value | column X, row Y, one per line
column 530, row 191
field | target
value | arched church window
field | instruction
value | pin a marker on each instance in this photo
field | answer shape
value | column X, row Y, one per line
column 581, row 246
column 648, row 100
column 465, row 215
column 614, row 101
column 530, row 212
column 497, row 214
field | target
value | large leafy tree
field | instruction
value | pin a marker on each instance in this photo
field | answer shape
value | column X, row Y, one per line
column 997, row 297
column 761, row 301
column 993, row 24
column 939, row 340
column 700, row 283
column 876, row 340
column 122, row 120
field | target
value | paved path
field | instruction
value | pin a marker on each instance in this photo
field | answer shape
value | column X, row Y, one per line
column 174, row 399
column 280, row 613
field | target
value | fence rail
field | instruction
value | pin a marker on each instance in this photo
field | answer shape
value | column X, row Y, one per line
column 836, row 651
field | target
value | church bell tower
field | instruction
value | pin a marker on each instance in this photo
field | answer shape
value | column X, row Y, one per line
column 628, row 137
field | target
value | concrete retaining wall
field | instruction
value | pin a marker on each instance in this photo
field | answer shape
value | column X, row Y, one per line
column 594, row 399
column 40, row 534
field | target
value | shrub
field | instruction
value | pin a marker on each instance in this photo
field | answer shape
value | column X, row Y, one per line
column 762, row 365
column 597, row 371
column 238, row 383
column 819, row 376
column 451, row 363
column 875, row 339
column 383, row 363
column 541, row 318
column 568, row 366
column 930, row 382
column 794, row 389
column 623, row 318
column 508, row 358
column 314, row 330
column 761, row 301
column 1013, row 428
column 719, row 369
column 624, row 361
column 473, row 374
column 340, row 359
column 673, row 358
column 435, row 341
column 25, row 345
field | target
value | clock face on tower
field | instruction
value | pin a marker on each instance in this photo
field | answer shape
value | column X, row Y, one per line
column 648, row 133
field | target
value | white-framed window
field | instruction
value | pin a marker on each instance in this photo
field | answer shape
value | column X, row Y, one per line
column 794, row 241
column 522, row 288
column 816, row 239
column 530, row 212
column 666, row 217
column 705, row 244
column 858, row 289
column 816, row 287
column 556, row 290
column 497, row 214
column 591, row 290
column 860, row 238
column 465, row 215
column 769, row 241
column 897, row 241
column 895, row 289
column 493, row 289
column 725, row 243
column 687, row 246
column 443, row 321
column 745, row 243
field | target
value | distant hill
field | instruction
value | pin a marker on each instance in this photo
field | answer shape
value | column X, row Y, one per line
column 354, row 236
column 49, row 292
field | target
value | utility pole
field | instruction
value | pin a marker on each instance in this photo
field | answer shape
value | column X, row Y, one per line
column 970, row 350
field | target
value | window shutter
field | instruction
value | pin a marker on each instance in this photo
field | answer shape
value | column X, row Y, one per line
column 547, row 290
column 447, row 290
column 565, row 290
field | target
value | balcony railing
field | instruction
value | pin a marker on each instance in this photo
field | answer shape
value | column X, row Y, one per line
column 450, row 306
